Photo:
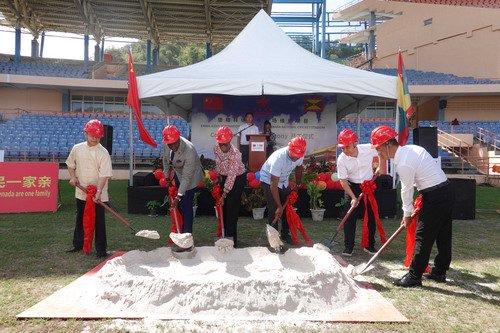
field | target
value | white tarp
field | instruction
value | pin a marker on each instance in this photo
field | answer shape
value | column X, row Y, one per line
column 263, row 60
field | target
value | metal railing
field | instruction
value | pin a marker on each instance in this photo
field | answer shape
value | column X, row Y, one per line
column 456, row 146
column 489, row 138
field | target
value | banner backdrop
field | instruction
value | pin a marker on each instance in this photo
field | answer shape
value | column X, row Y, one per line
column 312, row 116
column 28, row 187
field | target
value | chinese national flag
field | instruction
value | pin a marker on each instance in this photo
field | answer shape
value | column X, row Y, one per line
column 134, row 102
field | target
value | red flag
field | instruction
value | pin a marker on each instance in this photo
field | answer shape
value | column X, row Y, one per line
column 134, row 102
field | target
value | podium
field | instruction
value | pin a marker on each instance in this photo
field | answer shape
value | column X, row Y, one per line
column 257, row 144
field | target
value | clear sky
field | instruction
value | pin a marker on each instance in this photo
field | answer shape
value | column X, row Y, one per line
column 70, row 46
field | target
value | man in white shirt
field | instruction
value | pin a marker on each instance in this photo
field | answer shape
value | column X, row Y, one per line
column 416, row 167
column 89, row 163
column 354, row 166
column 247, row 128
column 274, row 176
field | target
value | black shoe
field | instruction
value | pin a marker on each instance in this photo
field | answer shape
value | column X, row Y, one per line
column 73, row 250
column 441, row 278
column 371, row 250
column 408, row 281
column 347, row 252
column 102, row 255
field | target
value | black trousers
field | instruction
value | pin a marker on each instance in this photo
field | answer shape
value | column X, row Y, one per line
column 434, row 225
column 358, row 213
column 231, row 208
column 271, row 208
column 100, row 227
column 245, row 151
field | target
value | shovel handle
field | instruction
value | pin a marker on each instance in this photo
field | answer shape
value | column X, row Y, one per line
column 110, row 210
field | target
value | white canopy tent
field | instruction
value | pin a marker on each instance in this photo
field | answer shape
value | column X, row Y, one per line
column 262, row 59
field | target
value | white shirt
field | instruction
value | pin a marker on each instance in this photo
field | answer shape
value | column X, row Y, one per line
column 279, row 164
column 416, row 167
column 357, row 169
column 244, row 131
column 90, row 164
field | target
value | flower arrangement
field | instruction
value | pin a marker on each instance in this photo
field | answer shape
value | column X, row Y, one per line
column 256, row 198
column 315, row 190
column 210, row 178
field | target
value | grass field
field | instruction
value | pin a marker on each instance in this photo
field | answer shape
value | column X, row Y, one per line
column 33, row 265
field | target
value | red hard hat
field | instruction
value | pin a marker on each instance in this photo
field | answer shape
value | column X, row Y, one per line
column 297, row 147
column 223, row 135
column 346, row 137
column 381, row 135
column 171, row 134
column 94, row 128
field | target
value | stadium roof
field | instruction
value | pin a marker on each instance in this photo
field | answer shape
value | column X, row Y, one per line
column 158, row 20
column 467, row 3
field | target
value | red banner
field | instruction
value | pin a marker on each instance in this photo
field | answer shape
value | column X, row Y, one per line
column 28, row 187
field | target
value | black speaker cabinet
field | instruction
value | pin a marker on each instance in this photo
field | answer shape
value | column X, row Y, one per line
column 387, row 202
column 138, row 197
column 464, row 207
column 426, row 137
column 144, row 179
column 107, row 140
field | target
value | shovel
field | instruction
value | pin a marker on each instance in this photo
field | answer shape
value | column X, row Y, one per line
column 224, row 243
column 273, row 235
column 329, row 242
column 151, row 234
column 360, row 269
column 183, row 241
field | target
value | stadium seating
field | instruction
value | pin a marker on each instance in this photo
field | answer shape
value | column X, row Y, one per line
column 416, row 77
column 45, row 69
column 51, row 136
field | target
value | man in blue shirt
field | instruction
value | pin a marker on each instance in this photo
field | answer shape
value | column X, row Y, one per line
column 274, row 176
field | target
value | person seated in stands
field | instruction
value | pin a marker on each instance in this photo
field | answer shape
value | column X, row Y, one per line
column 271, row 138
column 454, row 124
column 248, row 128
column 228, row 164
column 182, row 165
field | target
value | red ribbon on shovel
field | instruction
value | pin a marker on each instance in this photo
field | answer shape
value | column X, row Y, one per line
column 294, row 222
column 411, row 232
column 368, row 188
column 89, row 219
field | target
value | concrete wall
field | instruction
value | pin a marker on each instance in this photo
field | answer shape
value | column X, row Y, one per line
column 30, row 99
column 473, row 108
column 461, row 40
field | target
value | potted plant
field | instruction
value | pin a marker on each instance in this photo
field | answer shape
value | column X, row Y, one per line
column 153, row 206
column 315, row 190
column 255, row 202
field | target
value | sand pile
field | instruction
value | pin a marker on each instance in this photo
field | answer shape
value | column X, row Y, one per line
column 250, row 283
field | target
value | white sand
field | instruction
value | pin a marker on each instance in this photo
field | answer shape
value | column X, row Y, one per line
column 152, row 234
column 250, row 284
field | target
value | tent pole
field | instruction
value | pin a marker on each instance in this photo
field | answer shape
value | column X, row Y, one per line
column 131, row 148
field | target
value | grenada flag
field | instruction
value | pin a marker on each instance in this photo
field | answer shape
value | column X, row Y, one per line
column 404, row 108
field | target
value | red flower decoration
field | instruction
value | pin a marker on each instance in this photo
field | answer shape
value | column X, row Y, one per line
column 158, row 173
column 250, row 177
column 213, row 175
column 163, row 182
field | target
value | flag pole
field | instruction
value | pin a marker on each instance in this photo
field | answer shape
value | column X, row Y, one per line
column 131, row 147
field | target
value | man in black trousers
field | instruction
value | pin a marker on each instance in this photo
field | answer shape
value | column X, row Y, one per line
column 415, row 165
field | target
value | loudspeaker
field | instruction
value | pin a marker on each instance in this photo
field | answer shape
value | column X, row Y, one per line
column 138, row 197
column 464, row 207
column 426, row 137
column 107, row 139
column 387, row 202
column 144, row 179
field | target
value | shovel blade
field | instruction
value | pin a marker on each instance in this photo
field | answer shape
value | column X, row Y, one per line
column 224, row 244
column 184, row 240
column 151, row 234
column 273, row 237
